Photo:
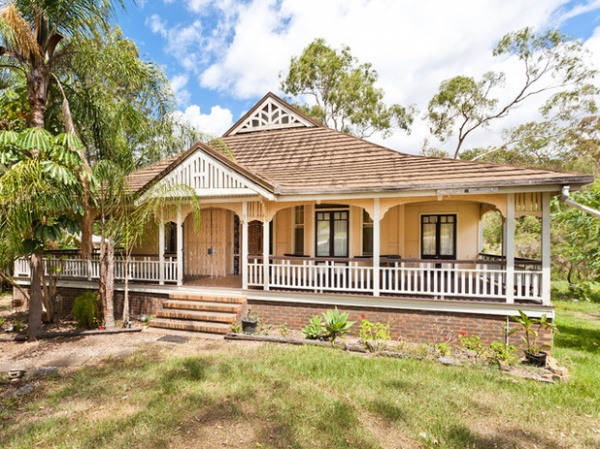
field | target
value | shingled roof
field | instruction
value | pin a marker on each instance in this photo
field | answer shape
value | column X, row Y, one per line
column 306, row 158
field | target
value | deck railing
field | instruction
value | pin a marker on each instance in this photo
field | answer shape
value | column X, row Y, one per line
column 140, row 268
column 479, row 279
column 447, row 279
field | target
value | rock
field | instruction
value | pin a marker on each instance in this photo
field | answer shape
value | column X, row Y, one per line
column 551, row 363
column 25, row 389
column 449, row 361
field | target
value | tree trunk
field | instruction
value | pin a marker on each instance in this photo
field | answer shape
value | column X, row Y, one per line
column 35, row 296
column 107, row 276
column 126, row 291
column 87, row 220
column 37, row 94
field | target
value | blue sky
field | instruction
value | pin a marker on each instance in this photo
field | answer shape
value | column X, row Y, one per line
column 221, row 56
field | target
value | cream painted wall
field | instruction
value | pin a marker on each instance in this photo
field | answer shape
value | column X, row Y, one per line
column 283, row 232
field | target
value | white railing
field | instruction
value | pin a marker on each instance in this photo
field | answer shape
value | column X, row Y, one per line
column 440, row 279
column 140, row 268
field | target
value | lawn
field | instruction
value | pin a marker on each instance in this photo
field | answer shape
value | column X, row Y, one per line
column 267, row 396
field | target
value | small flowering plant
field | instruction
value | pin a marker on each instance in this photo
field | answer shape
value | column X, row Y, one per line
column 471, row 343
column 373, row 335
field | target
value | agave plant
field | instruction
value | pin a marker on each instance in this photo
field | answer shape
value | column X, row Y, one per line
column 336, row 324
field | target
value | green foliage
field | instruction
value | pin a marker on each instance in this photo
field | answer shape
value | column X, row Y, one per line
column 315, row 330
column 503, row 354
column 86, row 310
column 443, row 349
column 336, row 324
column 373, row 335
column 39, row 190
column 284, row 330
column 587, row 291
column 344, row 91
column 236, row 328
column 576, row 237
column 472, row 343
column 531, row 328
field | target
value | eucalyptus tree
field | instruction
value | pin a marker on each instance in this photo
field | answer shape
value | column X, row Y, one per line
column 552, row 66
column 344, row 92
column 39, row 199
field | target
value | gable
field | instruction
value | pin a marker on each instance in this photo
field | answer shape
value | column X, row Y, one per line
column 209, row 177
column 271, row 113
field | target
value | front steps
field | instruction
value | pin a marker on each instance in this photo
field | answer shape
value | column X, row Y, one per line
column 198, row 313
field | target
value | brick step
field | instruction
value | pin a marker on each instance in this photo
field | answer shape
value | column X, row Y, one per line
column 200, row 316
column 205, row 298
column 186, row 325
column 202, row 305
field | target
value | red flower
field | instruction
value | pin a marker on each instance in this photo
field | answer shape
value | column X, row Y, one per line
column 464, row 334
column 446, row 338
column 363, row 316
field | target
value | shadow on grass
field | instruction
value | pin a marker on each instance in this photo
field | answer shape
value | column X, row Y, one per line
column 575, row 337
column 458, row 436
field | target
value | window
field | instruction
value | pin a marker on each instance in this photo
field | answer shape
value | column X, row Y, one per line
column 299, row 230
column 332, row 233
column 367, row 234
column 170, row 237
column 438, row 236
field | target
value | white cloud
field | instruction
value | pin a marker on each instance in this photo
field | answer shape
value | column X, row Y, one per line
column 240, row 48
column 214, row 124
column 157, row 25
column 178, row 84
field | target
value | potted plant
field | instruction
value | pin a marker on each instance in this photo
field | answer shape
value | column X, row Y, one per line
column 249, row 323
column 531, row 328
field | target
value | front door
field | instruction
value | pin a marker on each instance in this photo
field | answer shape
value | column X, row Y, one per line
column 438, row 237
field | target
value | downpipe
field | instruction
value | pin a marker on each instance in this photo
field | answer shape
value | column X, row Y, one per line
column 564, row 197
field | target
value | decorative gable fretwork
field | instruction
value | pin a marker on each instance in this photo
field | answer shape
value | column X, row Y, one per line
column 271, row 114
column 208, row 177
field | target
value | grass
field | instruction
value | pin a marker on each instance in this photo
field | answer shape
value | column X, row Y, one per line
column 301, row 397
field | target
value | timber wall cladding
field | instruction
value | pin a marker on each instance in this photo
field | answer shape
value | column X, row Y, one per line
column 409, row 325
column 216, row 231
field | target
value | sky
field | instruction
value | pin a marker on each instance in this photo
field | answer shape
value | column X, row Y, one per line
column 222, row 56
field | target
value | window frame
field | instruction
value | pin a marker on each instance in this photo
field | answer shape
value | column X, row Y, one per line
column 332, row 210
column 438, row 223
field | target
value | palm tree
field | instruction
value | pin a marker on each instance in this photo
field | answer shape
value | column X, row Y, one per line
column 36, row 36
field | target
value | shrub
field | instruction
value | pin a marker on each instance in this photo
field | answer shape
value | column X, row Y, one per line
column 86, row 310
column 315, row 330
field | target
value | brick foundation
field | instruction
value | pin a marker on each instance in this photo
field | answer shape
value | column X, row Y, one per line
column 139, row 303
column 410, row 325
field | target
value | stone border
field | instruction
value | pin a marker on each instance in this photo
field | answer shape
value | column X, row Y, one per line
column 74, row 333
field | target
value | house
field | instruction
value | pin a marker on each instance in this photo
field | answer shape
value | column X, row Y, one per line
column 298, row 218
